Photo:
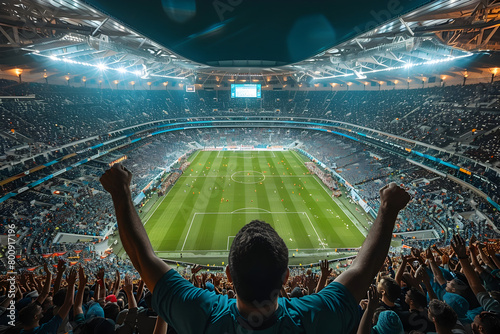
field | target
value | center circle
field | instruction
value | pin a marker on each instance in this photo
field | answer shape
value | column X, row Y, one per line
column 248, row 177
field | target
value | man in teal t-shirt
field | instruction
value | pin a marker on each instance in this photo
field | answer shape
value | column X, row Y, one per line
column 333, row 309
column 258, row 268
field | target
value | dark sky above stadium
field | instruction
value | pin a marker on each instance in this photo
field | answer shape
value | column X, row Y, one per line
column 279, row 31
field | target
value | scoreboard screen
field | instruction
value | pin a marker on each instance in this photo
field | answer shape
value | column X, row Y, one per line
column 246, row 91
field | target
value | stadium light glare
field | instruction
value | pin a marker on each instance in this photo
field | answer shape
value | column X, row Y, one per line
column 101, row 66
column 122, row 70
column 406, row 66
column 359, row 75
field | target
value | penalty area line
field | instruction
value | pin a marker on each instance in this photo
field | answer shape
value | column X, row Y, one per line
column 187, row 234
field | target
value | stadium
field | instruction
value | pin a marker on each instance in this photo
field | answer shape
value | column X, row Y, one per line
column 225, row 112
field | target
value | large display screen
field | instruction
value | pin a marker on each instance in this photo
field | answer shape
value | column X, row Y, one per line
column 245, row 90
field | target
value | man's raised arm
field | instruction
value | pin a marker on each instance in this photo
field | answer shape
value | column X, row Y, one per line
column 116, row 181
column 372, row 254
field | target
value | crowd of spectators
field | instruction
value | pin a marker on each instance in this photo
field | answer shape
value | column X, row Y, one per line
column 463, row 118
column 452, row 289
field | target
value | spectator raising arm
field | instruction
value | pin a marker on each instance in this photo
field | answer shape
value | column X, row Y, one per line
column 101, row 296
column 422, row 276
column 70, row 294
column 485, row 257
column 116, row 285
column 82, row 282
column 129, row 325
column 116, row 181
column 374, row 250
column 365, row 325
column 458, row 245
column 401, row 269
column 61, row 267
column 325, row 272
column 34, row 283
column 46, row 286
column 438, row 275
column 490, row 249
column 140, row 289
column 128, row 287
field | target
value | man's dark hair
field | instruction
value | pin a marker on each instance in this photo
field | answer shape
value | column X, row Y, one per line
column 417, row 297
column 27, row 314
column 111, row 311
column 490, row 322
column 59, row 296
column 443, row 314
column 391, row 288
column 258, row 262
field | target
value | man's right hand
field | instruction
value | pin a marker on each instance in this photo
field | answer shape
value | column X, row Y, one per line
column 116, row 180
column 393, row 197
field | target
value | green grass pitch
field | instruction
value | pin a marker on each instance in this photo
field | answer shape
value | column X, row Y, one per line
column 223, row 190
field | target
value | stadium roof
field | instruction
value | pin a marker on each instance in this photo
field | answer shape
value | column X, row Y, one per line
column 222, row 39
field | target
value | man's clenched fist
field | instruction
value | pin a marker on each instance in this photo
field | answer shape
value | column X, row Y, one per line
column 393, row 197
column 116, row 180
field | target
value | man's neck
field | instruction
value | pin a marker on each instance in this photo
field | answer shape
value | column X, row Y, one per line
column 388, row 302
column 264, row 310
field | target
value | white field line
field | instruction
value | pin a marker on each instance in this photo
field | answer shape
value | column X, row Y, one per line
column 272, row 156
column 310, row 222
column 264, row 210
column 232, row 213
column 151, row 215
column 296, row 155
column 347, row 213
column 187, row 234
column 197, row 152
column 229, row 236
column 339, row 204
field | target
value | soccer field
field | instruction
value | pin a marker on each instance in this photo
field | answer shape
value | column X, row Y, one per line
column 223, row 190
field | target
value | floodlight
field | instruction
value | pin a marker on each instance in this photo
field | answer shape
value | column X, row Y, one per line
column 359, row 75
